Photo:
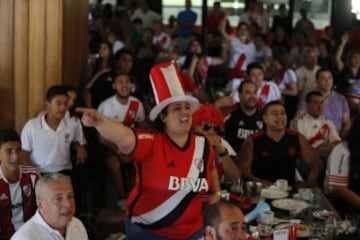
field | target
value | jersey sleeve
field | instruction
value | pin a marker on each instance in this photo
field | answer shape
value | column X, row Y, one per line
column 144, row 144
column 27, row 137
column 338, row 166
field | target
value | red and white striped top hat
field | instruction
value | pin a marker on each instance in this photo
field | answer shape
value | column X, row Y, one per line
column 167, row 87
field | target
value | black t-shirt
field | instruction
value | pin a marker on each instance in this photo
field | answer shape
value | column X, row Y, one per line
column 239, row 126
column 275, row 160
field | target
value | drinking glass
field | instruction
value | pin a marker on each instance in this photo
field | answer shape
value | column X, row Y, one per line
column 315, row 198
column 237, row 187
column 316, row 230
column 330, row 228
column 352, row 222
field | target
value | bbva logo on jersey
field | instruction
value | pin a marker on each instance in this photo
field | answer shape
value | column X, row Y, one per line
column 188, row 184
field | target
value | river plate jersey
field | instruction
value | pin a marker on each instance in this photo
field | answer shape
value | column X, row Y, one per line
column 169, row 183
column 17, row 200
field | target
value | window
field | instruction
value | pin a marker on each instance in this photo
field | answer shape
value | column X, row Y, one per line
column 173, row 7
column 319, row 11
column 355, row 8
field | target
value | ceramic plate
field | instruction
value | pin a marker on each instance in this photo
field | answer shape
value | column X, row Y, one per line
column 303, row 230
column 289, row 204
column 322, row 214
column 273, row 194
column 274, row 187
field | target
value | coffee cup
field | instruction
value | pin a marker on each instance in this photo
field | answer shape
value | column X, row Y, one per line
column 282, row 184
column 265, row 220
column 306, row 194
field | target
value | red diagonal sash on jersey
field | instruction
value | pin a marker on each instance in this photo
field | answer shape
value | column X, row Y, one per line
column 322, row 134
column 263, row 96
column 131, row 111
column 172, row 208
column 237, row 71
column 7, row 228
column 204, row 65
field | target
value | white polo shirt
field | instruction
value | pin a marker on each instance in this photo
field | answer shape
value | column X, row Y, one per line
column 49, row 149
column 36, row 228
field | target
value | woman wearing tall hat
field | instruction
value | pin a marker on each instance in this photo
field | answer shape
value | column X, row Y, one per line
column 175, row 168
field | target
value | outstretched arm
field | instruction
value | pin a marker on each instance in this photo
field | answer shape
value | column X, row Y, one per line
column 339, row 52
column 116, row 132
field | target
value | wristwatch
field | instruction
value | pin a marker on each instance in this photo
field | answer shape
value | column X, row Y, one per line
column 224, row 153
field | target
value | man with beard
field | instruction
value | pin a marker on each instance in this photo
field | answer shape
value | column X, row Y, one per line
column 54, row 218
column 246, row 119
column 47, row 139
column 271, row 153
column 124, row 108
column 267, row 91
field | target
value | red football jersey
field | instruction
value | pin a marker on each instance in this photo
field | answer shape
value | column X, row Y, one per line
column 17, row 200
column 169, row 184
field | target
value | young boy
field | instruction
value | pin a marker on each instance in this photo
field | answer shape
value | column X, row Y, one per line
column 46, row 140
column 17, row 194
column 127, row 109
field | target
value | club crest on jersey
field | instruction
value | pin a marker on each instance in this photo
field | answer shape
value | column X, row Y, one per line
column 259, row 124
column 27, row 190
column 199, row 163
column 188, row 184
column 292, row 152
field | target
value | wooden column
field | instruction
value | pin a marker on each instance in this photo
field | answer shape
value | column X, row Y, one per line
column 21, row 68
column 39, row 47
column 6, row 63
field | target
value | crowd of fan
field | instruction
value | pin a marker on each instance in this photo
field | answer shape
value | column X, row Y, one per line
column 246, row 77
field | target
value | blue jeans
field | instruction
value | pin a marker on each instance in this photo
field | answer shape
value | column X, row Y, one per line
column 136, row 232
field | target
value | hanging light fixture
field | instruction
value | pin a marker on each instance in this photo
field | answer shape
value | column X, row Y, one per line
column 355, row 8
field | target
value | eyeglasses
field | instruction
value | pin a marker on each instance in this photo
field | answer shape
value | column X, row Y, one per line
column 208, row 126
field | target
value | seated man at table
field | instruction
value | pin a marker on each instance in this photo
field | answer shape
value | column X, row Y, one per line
column 224, row 220
column 272, row 153
column 342, row 182
column 320, row 132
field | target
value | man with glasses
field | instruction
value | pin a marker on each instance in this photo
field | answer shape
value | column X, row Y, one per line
column 320, row 132
column 336, row 107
